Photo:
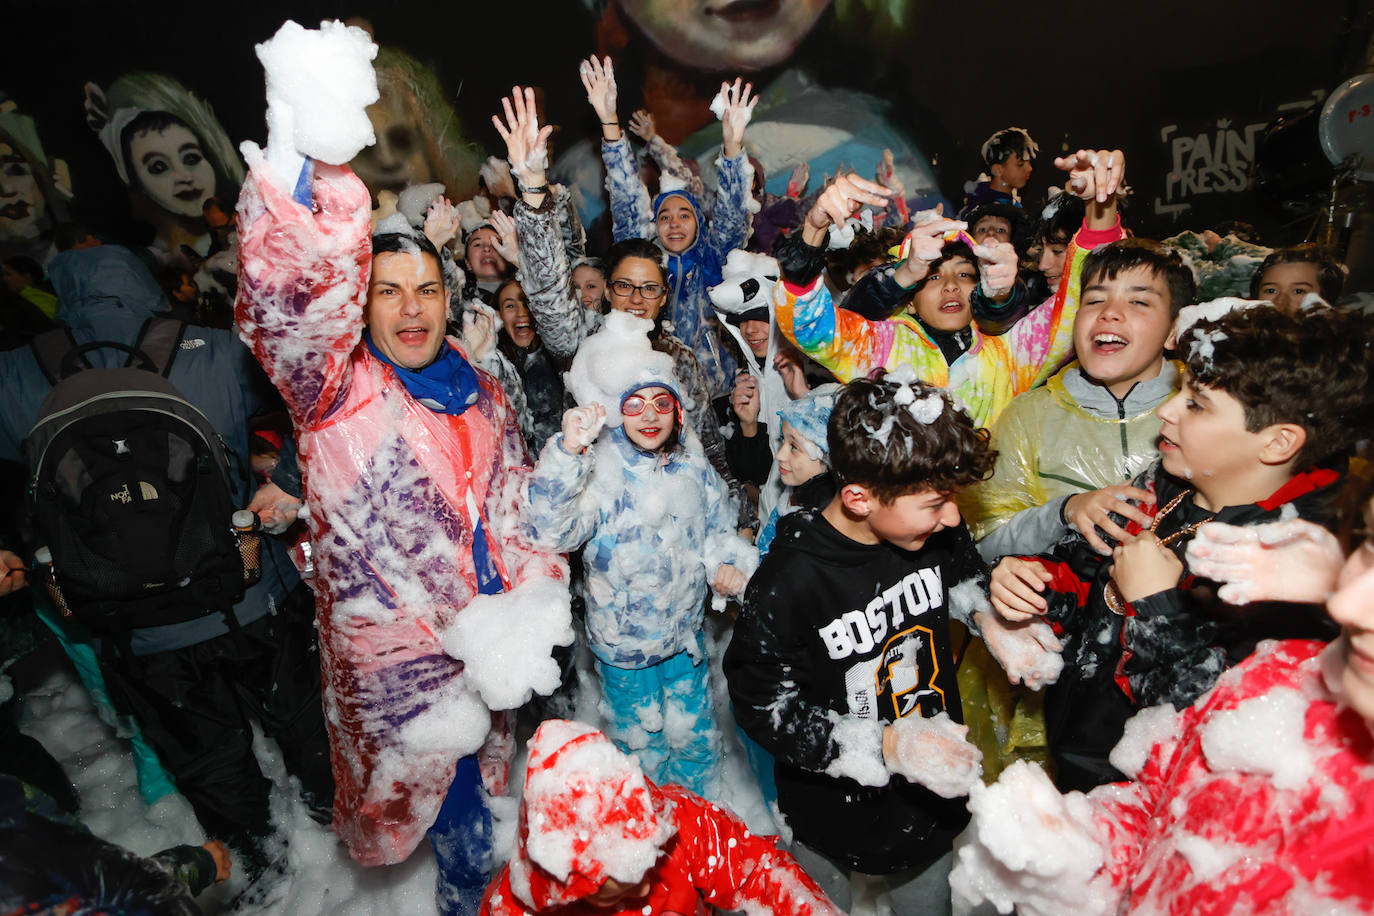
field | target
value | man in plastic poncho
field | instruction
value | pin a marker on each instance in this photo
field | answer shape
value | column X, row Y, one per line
column 412, row 464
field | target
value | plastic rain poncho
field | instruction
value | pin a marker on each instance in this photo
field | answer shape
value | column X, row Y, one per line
column 1071, row 436
column 983, row 380
column 396, row 492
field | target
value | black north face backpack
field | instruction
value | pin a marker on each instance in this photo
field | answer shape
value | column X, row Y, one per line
column 131, row 488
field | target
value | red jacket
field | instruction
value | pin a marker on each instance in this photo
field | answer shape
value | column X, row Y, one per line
column 1194, row 835
column 705, row 855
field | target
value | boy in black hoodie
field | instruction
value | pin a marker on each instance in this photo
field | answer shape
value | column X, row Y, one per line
column 841, row 664
column 1269, row 411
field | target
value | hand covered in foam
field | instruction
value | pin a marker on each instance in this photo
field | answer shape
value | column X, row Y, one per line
column 526, row 141
column 737, row 107
column 886, row 174
column 642, row 125
column 796, row 185
column 933, row 752
column 506, row 242
column 1027, row 651
column 479, row 331
column 598, row 78
column 1291, row 560
column 319, row 84
column 442, row 222
column 495, row 172
column 997, row 263
column 1030, row 848
column 923, row 244
column 581, row 426
column 846, row 194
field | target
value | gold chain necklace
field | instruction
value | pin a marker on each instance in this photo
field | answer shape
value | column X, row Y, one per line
column 1112, row 594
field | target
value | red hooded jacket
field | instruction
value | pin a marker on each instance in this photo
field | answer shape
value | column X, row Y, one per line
column 598, row 817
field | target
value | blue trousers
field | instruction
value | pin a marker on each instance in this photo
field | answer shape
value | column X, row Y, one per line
column 461, row 837
column 662, row 714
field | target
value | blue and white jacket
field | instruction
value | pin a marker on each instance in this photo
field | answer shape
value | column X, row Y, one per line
column 657, row 527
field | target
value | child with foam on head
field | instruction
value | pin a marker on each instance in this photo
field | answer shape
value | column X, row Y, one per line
column 1261, row 430
column 841, row 664
column 939, row 338
column 803, row 457
column 596, row 837
column 658, row 525
column 1007, row 156
column 1252, row 800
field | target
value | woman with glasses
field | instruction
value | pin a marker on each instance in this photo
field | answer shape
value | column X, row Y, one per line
column 636, row 282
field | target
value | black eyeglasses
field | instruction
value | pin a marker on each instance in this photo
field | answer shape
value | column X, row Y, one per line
column 625, row 289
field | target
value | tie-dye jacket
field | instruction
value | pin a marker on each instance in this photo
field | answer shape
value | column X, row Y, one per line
column 983, row 380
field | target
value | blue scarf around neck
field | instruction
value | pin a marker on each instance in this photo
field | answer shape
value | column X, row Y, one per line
column 447, row 385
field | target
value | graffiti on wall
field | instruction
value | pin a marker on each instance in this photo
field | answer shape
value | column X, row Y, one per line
column 1213, row 159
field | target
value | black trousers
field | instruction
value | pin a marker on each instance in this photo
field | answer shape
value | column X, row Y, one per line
column 195, row 705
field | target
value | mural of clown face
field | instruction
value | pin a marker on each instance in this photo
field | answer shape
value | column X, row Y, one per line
column 22, row 207
column 170, row 167
column 733, row 35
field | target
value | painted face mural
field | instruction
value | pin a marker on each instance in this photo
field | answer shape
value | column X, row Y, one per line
column 419, row 137
column 725, row 34
column 22, row 207
column 171, row 168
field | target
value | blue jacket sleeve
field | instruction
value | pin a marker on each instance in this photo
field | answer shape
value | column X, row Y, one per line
column 631, row 210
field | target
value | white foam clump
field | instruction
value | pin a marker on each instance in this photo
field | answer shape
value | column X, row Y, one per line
column 719, row 104
column 1030, row 849
column 968, row 598
column 506, row 641
column 670, row 183
column 319, row 84
column 1144, row 730
column 928, row 753
column 1203, row 344
column 1190, row 315
column 415, row 200
column 1264, row 736
column 927, row 410
column 397, row 224
column 860, row 744
column 616, row 360
column 1208, row 859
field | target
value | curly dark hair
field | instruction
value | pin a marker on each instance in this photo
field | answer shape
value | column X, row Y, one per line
column 1312, row 369
column 877, row 443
